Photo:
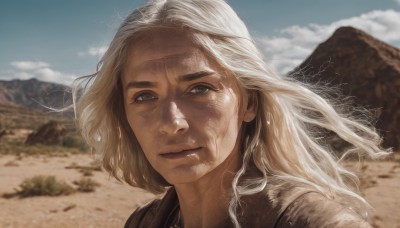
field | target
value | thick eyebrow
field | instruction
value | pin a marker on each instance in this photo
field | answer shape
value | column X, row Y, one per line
column 194, row 76
column 183, row 78
column 140, row 84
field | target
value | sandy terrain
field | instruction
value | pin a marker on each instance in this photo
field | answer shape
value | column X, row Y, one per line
column 112, row 202
column 108, row 206
column 381, row 181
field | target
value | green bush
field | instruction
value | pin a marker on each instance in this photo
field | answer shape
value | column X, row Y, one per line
column 86, row 185
column 74, row 141
column 43, row 186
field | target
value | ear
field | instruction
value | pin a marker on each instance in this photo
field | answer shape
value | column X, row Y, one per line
column 251, row 107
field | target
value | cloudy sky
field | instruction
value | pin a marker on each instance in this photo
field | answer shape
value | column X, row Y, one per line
column 58, row 40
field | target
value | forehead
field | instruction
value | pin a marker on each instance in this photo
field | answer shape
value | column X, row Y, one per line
column 164, row 47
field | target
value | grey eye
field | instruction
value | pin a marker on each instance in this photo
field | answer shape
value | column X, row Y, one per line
column 145, row 97
column 200, row 89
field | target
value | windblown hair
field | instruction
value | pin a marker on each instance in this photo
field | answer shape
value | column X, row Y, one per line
column 282, row 140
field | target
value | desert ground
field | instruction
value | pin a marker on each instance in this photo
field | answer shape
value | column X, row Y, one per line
column 112, row 202
column 108, row 206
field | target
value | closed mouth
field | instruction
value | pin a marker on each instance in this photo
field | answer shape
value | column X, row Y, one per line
column 180, row 153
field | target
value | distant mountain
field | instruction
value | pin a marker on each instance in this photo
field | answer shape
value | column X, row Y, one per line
column 34, row 94
column 366, row 69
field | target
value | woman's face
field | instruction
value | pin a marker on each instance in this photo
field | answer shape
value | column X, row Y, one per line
column 185, row 113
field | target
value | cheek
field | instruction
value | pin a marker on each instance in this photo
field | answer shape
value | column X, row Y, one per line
column 140, row 118
column 217, row 106
column 223, row 108
column 137, row 123
column 145, row 138
column 219, row 119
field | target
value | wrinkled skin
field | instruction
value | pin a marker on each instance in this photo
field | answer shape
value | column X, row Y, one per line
column 185, row 112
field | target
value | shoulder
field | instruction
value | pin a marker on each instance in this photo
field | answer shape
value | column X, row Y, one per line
column 283, row 204
column 154, row 213
column 144, row 215
column 303, row 206
column 313, row 209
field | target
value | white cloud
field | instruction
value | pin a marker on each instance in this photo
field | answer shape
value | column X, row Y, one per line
column 23, row 75
column 40, row 70
column 94, row 51
column 47, row 74
column 29, row 65
column 295, row 43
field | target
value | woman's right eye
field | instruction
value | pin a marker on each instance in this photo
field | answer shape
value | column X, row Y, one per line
column 143, row 97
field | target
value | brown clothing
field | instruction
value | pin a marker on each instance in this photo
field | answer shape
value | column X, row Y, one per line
column 279, row 205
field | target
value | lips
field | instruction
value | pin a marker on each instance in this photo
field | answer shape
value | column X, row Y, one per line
column 178, row 151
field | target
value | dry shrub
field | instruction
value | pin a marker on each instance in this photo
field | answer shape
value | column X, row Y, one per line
column 43, row 186
column 15, row 147
column 86, row 185
column 11, row 163
column 86, row 172
column 75, row 141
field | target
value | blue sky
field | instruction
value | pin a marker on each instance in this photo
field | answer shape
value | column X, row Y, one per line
column 57, row 40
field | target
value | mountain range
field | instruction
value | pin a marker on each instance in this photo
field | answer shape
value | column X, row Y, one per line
column 34, row 94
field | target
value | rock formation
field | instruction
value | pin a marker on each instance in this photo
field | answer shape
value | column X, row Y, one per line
column 51, row 133
column 364, row 68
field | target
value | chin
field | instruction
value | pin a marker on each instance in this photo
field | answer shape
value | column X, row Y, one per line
column 184, row 175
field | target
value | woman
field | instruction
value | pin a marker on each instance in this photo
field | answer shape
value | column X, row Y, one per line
column 184, row 103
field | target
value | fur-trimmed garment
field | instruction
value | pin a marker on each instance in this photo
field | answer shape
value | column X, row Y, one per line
column 278, row 205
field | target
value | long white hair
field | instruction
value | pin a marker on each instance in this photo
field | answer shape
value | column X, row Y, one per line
column 283, row 140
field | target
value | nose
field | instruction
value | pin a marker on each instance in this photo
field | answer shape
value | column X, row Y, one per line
column 173, row 120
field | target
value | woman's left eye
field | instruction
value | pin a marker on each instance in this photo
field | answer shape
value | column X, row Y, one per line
column 200, row 89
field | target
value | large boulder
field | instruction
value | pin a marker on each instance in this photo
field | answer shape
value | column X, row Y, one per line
column 51, row 133
column 364, row 68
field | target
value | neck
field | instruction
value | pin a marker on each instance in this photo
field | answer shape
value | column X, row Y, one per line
column 205, row 203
